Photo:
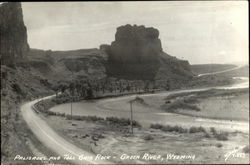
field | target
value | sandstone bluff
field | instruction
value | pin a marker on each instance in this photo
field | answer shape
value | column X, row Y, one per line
column 137, row 53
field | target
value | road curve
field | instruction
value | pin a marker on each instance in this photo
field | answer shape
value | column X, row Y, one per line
column 52, row 140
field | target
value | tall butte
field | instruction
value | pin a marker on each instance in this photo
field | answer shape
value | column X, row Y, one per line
column 137, row 53
column 13, row 33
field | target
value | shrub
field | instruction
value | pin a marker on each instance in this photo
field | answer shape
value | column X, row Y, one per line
column 246, row 149
column 197, row 129
column 183, row 130
column 51, row 113
column 219, row 145
column 136, row 124
column 179, row 129
column 94, row 118
column 193, row 130
column 207, row 135
column 223, row 136
column 202, row 129
column 60, row 99
column 156, row 126
column 86, row 118
column 16, row 88
column 139, row 99
column 45, row 82
column 122, row 121
column 180, row 104
column 219, row 136
column 213, row 130
column 148, row 137
column 168, row 128
column 167, row 102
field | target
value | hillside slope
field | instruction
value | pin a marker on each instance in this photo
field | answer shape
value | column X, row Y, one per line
column 62, row 65
column 208, row 68
column 19, row 83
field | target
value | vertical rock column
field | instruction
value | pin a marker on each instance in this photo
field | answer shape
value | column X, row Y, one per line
column 13, row 33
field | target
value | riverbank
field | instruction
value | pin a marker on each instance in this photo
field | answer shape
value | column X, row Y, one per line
column 214, row 104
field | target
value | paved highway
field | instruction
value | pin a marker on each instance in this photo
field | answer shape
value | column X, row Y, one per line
column 52, row 140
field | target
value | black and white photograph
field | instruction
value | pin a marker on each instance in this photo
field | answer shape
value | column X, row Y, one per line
column 124, row 82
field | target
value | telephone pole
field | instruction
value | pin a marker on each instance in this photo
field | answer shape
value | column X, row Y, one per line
column 71, row 96
column 71, row 109
column 131, row 117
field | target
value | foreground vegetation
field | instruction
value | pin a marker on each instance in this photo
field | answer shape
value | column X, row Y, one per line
column 213, row 132
column 112, row 139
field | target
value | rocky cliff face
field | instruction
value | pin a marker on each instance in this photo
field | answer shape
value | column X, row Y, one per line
column 13, row 33
column 135, row 44
column 137, row 53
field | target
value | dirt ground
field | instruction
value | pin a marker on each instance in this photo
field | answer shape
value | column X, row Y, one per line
column 227, row 107
column 102, row 138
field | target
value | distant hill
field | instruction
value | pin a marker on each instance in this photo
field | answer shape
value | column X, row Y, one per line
column 89, row 63
column 242, row 71
column 208, row 68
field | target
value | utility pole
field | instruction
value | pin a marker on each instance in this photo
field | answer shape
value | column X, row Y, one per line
column 71, row 108
column 131, row 119
column 71, row 96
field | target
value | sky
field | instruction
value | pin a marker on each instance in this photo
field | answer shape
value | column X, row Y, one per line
column 200, row 32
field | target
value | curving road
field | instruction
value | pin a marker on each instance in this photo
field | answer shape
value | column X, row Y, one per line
column 51, row 139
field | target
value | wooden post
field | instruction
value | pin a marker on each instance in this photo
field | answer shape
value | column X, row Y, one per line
column 71, row 95
column 131, row 119
column 71, row 108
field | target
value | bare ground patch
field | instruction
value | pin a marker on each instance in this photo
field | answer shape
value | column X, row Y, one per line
column 216, row 104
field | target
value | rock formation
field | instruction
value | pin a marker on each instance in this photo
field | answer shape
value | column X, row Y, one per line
column 137, row 53
column 135, row 44
column 13, row 40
